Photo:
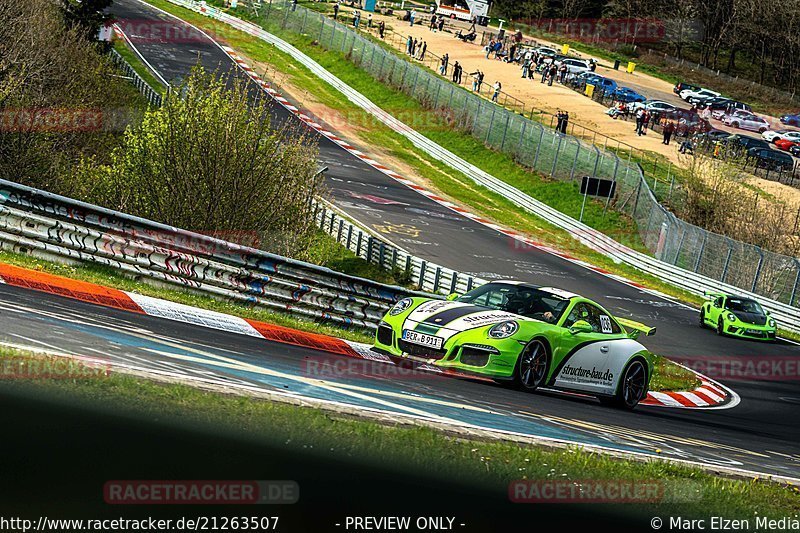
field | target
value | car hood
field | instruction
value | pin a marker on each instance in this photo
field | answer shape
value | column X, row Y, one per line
column 445, row 319
column 751, row 318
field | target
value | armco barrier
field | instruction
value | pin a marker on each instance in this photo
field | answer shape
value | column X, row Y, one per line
column 694, row 259
column 34, row 221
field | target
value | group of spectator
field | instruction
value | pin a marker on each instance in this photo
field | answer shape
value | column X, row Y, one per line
column 563, row 121
column 416, row 48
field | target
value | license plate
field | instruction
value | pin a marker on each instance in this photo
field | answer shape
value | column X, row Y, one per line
column 753, row 332
column 422, row 339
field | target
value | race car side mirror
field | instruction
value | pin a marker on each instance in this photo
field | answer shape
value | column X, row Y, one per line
column 454, row 296
column 581, row 326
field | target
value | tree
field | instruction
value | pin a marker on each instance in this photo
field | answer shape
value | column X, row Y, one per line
column 88, row 15
column 210, row 161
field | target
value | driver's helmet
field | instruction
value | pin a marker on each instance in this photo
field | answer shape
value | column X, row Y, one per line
column 517, row 302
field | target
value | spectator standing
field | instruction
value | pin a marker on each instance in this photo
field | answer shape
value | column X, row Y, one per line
column 432, row 26
column 525, row 67
column 562, row 73
column 441, row 24
column 480, row 80
column 382, row 29
column 423, row 50
column 457, row 73
column 412, row 16
column 476, row 76
column 669, row 129
column 564, row 122
column 357, row 19
column 336, row 11
column 497, row 88
column 639, row 119
column 560, row 119
column 369, row 20
column 645, row 122
column 414, row 47
column 489, row 48
column 408, row 45
column 443, row 65
column 544, row 74
column 552, row 74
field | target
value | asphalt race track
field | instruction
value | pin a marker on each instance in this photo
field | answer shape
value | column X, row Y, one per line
column 759, row 434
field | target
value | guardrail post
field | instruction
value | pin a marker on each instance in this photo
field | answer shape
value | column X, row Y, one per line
column 370, row 240
column 758, row 268
column 358, row 243
column 469, row 283
column 333, row 221
column 408, row 265
column 349, row 236
column 394, row 257
column 454, row 281
column 340, row 230
column 423, row 265
column 436, row 279
column 381, row 254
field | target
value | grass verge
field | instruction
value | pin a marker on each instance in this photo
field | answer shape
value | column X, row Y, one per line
column 141, row 69
column 488, row 464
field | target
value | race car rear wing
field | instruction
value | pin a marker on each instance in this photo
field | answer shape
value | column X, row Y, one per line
column 635, row 328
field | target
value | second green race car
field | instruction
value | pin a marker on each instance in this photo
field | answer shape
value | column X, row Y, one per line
column 526, row 335
column 737, row 316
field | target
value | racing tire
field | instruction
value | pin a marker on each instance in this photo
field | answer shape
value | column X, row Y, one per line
column 720, row 327
column 702, row 318
column 532, row 366
column 632, row 388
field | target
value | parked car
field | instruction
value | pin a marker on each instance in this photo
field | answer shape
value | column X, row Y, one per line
column 720, row 105
column 656, row 106
column 694, row 96
column 789, row 135
column 626, row 94
column 746, row 121
column 792, row 119
column 714, row 135
column 575, row 66
column 795, row 150
column 785, row 144
column 683, row 86
column 739, row 144
column 769, row 159
column 600, row 83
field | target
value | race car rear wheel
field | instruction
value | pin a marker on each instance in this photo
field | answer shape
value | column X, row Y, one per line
column 702, row 318
column 632, row 387
column 720, row 326
column 532, row 365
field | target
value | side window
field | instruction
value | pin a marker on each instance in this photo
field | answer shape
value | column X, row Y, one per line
column 718, row 302
column 600, row 321
column 574, row 315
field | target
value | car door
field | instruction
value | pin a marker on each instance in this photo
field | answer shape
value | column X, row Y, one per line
column 714, row 310
column 583, row 358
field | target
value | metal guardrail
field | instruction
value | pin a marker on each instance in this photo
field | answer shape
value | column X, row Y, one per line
column 693, row 259
column 153, row 96
column 60, row 228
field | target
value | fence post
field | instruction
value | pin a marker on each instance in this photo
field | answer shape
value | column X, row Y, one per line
column 538, row 147
column 555, row 157
column 680, row 246
column 521, row 138
column 727, row 261
column 575, row 161
column 454, row 281
column 422, row 267
column 358, row 242
column 758, row 269
column 370, row 240
column 340, row 230
column 436, row 279
column 491, row 124
column 700, row 254
column 796, row 281
column 505, row 132
column 349, row 235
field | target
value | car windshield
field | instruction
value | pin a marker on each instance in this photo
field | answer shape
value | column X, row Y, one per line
column 518, row 299
column 743, row 305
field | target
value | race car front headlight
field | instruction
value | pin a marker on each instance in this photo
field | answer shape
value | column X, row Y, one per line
column 731, row 317
column 504, row 329
column 401, row 306
column 772, row 323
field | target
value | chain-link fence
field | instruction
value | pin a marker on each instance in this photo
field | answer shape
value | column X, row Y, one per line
column 560, row 156
column 153, row 96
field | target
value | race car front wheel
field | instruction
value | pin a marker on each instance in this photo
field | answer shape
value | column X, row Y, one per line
column 702, row 318
column 720, row 327
column 632, row 388
column 532, row 366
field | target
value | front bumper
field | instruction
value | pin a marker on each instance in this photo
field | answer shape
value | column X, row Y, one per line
column 495, row 358
column 750, row 331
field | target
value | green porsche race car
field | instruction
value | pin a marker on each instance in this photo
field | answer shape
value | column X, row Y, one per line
column 737, row 316
column 525, row 335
